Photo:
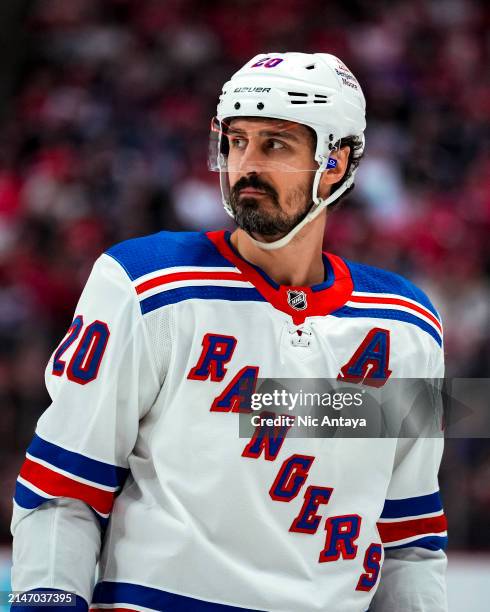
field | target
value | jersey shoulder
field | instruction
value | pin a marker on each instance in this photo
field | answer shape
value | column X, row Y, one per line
column 381, row 294
column 164, row 250
column 376, row 282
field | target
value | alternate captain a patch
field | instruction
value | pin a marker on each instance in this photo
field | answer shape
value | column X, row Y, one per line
column 297, row 299
column 369, row 365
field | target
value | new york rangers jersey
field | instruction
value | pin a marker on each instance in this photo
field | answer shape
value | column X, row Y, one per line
column 168, row 340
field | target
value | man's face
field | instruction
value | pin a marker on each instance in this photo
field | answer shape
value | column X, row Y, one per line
column 271, row 169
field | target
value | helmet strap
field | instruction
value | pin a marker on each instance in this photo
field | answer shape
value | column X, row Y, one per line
column 316, row 208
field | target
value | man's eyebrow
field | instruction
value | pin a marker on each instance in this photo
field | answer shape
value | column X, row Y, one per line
column 235, row 131
column 286, row 134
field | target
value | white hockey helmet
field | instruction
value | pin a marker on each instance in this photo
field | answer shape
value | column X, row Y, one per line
column 316, row 90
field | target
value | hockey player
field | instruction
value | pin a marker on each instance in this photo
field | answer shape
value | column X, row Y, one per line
column 137, row 466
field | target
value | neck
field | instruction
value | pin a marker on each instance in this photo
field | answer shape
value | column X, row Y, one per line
column 298, row 264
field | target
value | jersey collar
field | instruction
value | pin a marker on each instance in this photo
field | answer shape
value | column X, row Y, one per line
column 298, row 302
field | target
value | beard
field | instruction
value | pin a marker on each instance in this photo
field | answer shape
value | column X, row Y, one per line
column 251, row 216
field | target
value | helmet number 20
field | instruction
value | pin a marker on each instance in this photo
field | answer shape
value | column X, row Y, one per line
column 268, row 62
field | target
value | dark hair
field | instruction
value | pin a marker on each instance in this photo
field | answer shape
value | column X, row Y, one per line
column 356, row 153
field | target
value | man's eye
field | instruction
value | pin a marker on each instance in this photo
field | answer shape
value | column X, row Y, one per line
column 276, row 144
column 238, row 143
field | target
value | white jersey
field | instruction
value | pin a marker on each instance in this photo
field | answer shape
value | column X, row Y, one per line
column 169, row 338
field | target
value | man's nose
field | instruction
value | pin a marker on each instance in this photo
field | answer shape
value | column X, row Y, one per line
column 253, row 160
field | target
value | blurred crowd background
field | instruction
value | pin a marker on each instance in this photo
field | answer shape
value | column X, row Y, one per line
column 104, row 117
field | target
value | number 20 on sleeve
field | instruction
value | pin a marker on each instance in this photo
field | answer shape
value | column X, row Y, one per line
column 85, row 362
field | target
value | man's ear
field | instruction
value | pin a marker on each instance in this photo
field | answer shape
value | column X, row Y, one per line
column 334, row 175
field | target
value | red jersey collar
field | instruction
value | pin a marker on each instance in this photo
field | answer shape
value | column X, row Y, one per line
column 298, row 302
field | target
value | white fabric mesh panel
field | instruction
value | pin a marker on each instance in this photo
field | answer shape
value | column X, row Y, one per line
column 159, row 328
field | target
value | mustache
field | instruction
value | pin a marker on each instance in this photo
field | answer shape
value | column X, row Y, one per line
column 254, row 182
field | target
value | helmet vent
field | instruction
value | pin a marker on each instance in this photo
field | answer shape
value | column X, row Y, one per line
column 310, row 67
column 318, row 98
column 297, row 94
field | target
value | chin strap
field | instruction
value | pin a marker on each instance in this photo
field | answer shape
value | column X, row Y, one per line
column 316, row 208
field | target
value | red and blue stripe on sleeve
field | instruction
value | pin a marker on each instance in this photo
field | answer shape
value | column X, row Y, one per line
column 51, row 471
column 414, row 521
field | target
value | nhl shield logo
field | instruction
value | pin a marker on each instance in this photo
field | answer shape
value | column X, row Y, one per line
column 297, row 299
